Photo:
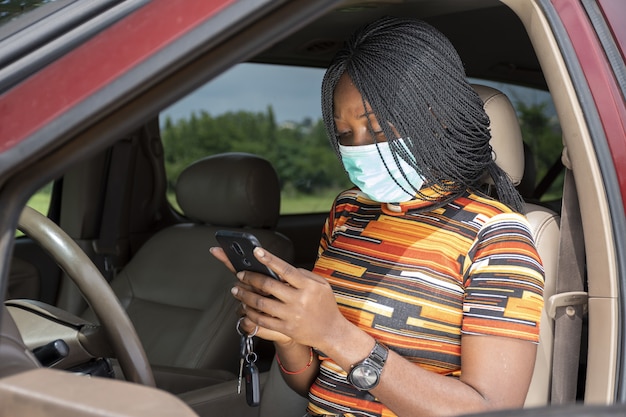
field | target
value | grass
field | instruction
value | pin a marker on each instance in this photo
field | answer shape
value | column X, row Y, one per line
column 40, row 201
column 306, row 203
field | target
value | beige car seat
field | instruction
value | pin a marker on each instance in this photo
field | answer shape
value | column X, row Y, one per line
column 177, row 294
column 507, row 144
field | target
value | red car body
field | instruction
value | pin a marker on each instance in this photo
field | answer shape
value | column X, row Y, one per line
column 72, row 92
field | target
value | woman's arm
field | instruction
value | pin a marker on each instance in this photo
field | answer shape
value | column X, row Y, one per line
column 299, row 366
column 496, row 374
column 496, row 371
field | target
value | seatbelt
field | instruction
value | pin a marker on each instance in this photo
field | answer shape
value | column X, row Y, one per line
column 566, row 306
column 106, row 244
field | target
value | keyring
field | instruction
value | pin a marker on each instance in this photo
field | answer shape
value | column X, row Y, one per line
column 256, row 329
column 239, row 324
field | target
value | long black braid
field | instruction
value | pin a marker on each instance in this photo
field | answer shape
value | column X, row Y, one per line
column 415, row 82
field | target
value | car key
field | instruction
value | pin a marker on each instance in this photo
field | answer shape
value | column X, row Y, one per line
column 253, row 388
column 251, row 374
column 242, row 361
column 247, row 368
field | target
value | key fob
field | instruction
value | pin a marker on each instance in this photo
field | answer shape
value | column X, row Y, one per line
column 253, row 387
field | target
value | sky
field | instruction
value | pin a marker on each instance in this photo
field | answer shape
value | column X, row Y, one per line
column 293, row 92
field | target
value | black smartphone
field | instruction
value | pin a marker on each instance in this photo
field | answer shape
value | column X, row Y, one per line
column 238, row 247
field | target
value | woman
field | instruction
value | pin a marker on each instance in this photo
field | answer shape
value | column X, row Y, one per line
column 426, row 294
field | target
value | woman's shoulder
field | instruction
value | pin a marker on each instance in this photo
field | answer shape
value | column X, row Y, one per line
column 491, row 210
column 354, row 196
column 350, row 193
column 478, row 201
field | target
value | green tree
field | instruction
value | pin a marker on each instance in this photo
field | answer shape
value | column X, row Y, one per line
column 11, row 9
column 542, row 134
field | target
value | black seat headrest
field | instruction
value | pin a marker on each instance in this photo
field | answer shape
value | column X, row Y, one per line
column 232, row 189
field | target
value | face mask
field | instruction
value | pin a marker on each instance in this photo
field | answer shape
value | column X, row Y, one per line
column 367, row 171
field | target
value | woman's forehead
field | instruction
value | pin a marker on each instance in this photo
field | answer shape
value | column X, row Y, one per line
column 347, row 97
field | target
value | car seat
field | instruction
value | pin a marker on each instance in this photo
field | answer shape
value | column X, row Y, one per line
column 177, row 294
column 508, row 149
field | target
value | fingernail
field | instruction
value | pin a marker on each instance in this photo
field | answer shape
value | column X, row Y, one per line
column 240, row 275
column 260, row 252
column 234, row 291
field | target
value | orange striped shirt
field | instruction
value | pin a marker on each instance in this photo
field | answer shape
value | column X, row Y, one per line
column 416, row 280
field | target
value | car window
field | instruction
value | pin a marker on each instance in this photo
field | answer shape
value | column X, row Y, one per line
column 274, row 111
column 11, row 9
column 40, row 201
column 268, row 110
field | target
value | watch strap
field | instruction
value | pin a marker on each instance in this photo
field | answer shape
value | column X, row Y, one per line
column 379, row 354
column 376, row 360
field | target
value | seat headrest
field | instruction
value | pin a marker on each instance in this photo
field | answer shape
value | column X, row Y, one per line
column 506, row 134
column 231, row 189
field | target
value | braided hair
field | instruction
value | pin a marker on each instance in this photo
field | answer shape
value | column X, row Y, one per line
column 415, row 83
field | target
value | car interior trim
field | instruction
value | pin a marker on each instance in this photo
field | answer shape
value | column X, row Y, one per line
column 544, row 29
column 609, row 139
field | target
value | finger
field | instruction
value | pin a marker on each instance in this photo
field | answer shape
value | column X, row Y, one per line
column 251, row 299
column 258, row 302
column 243, row 309
column 264, row 321
column 250, row 327
column 220, row 255
column 296, row 277
column 249, row 324
column 264, row 285
column 285, row 271
column 246, row 325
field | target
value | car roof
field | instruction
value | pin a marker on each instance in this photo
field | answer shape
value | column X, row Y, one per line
column 509, row 58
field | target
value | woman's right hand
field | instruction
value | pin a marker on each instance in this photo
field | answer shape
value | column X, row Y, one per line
column 246, row 325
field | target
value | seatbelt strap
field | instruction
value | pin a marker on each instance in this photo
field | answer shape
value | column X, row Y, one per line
column 567, row 304
column 106, row 244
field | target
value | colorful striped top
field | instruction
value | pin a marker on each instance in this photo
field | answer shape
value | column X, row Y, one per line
column 416, row 280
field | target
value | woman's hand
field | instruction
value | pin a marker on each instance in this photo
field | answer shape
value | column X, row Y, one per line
column 301, row 307
column 246, row 325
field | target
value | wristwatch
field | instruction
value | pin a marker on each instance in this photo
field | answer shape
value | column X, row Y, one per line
column 365, row 375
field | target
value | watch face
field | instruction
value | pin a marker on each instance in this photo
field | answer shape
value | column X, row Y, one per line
column 364, row 376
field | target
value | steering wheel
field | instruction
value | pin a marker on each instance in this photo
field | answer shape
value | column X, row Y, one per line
column 96, row 290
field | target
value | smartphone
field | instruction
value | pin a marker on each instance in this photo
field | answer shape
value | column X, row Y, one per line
column 239, row 248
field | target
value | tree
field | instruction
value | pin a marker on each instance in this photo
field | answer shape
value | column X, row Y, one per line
column 542, row 134
column 299, row 152
column 11, row 9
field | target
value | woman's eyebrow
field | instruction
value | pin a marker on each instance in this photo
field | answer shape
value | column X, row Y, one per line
column 360, row 116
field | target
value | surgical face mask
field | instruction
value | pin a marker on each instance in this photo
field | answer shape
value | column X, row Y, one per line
column 367, row 171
